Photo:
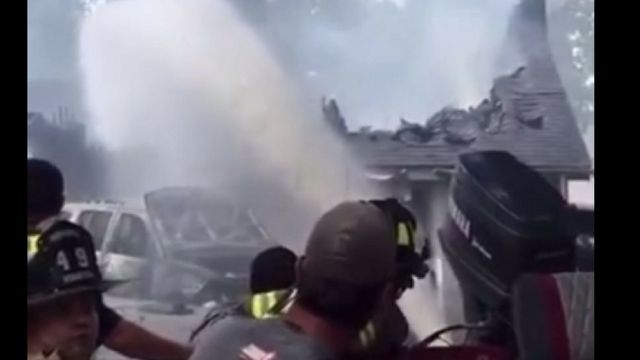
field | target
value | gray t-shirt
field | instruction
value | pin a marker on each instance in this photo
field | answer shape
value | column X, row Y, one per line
column 240, row 338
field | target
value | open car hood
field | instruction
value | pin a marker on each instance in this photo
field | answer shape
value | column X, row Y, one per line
column 194, row 219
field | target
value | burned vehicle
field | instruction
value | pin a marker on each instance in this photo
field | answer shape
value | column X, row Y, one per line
column 184, row 245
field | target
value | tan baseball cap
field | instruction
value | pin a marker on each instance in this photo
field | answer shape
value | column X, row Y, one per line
column 353, row 242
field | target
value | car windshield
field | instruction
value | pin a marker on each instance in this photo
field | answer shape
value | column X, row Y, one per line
column 202, row 218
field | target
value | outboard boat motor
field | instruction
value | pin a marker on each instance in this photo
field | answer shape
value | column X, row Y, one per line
column 504, row 220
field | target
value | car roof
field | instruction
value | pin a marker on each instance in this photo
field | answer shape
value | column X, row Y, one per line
column 104, row 206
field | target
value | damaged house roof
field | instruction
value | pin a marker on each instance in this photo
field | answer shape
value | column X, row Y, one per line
column 527, row 114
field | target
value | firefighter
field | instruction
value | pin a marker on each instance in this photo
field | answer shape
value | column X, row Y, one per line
column 272, row 277
column 388, row 331
column 45, row 198
column 63, row 282
column 343, row 278
column 272, row 274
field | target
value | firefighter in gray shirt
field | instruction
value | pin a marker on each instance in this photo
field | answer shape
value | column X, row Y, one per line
column 344, row 277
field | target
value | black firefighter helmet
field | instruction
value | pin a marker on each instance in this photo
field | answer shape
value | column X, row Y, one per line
column 63, row 264
column 410, row 261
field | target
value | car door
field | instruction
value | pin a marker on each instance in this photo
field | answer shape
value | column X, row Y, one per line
column 128, row 254
column 96, row 222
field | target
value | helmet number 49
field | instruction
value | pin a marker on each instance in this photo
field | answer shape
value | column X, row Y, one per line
column 80, row 256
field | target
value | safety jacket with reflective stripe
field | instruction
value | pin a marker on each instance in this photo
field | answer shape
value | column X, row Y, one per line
column 258, row 306
column 263, row 306
column 34, row 236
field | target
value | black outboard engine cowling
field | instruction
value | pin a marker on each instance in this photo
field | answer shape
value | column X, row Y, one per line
column 504, row 220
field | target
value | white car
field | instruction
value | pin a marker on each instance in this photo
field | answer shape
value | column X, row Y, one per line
column 184, row 244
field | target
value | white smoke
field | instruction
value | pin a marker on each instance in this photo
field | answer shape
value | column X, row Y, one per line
column 189, row 93
column 405, row 60
column 196, row 91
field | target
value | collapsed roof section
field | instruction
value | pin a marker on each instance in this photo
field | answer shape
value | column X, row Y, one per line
column 526, row 113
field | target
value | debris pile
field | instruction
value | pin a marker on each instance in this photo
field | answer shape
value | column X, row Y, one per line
column 455, row 126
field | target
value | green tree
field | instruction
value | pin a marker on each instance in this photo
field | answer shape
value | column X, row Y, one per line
column 571, row 31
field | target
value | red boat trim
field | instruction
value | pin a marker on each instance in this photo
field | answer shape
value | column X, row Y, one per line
column 554, row 312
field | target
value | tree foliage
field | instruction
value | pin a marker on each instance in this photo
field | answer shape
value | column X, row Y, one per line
column 572, row 27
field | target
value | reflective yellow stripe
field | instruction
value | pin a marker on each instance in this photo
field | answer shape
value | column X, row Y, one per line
column 262, row 306
column 256, row 306
column 265, row 305
column 262, row 303
column 367, row 335
column 403, row 234
column 363, row 339
column 271, row 300
column 32, row 244
column 371, row 331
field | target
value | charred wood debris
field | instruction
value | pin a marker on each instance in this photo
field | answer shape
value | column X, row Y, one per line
column 451, row 125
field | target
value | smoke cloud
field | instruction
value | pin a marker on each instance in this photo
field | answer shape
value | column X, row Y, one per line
column 389, row 59
column 189, row 94
column 212, row 94
column 226, row 94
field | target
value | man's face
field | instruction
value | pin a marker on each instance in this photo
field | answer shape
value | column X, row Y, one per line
column 68, row 324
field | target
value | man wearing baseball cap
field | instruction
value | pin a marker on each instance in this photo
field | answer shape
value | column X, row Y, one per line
column 388, row 331
column 343, row 278
column 45, row 199
column 271, row 276
column 63, row 282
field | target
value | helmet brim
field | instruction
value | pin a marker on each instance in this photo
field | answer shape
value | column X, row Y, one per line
column 103, row 286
